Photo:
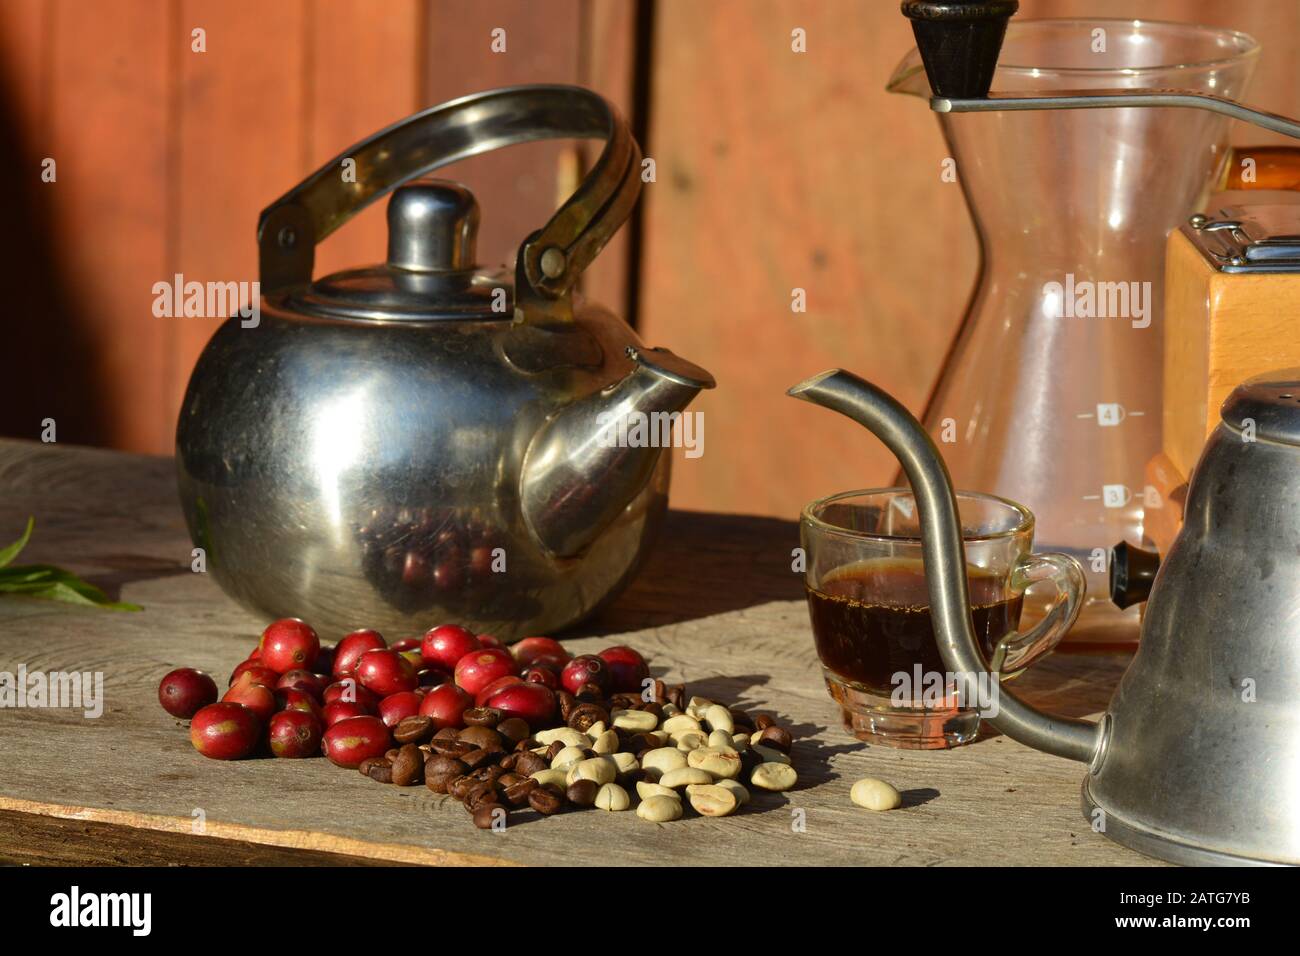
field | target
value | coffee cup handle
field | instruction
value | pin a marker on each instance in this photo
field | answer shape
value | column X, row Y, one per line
column 1016, row 650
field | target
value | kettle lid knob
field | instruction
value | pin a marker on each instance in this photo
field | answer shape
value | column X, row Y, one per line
column 432, row 225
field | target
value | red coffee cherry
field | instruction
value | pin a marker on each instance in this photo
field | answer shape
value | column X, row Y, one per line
column 258, row 698
column 349, row 690
column 443, row 646
column 479, row 668
column 627, row 669
column 530, row 648
column 295, row 733
column 350, row 649
column 254, row 671
column 291, row 698
column 185, row 690
column 225, row 731
column 304, row 680
column 351, row 741
column 331, row 714
column 585, row 669
column 289, row 644
column 386, row 672
column 396, row 707
column 445, row 705
column 531, row 702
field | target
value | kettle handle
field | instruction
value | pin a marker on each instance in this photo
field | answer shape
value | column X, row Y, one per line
column 944, row 556
column 550, row 260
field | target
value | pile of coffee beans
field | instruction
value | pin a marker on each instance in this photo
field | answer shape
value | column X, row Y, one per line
column 529, row 727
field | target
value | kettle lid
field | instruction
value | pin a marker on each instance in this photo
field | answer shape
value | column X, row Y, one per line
column 1270, row 403
column 430, row 271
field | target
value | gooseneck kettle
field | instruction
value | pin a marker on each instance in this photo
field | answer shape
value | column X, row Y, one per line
column 1196, row 759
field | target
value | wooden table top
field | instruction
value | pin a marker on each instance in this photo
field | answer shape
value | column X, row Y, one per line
column 717, row 607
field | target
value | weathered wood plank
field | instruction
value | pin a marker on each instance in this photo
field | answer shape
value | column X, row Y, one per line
column 713, row 608
column 30, row 839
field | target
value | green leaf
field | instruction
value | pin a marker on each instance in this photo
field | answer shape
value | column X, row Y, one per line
column 11, row 552
column 50, row 582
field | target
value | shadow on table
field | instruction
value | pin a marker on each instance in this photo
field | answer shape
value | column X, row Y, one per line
column 127, row 569
column 705, row 564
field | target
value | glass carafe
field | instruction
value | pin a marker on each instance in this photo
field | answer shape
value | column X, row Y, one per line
column 1051, row 392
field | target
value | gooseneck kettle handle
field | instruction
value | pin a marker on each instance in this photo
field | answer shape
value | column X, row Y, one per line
column 944, row 555
column 550, row 260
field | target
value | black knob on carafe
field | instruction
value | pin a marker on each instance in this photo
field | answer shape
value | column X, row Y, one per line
column 959, row 42
column 1132, row 572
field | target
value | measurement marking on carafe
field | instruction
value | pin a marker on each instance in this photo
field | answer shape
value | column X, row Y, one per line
column 1109, row 414
column 1112, row 496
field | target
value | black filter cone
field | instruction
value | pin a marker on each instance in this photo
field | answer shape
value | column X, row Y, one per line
column 959, row 42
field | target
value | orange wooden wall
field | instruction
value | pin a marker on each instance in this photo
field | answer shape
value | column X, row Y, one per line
column 775, row 170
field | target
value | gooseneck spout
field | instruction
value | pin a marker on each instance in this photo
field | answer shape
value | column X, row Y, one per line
column 943, row 554
column 595, row 455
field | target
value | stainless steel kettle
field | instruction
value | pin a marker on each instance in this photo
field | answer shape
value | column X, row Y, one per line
column 1197, row 758
column 424, row 440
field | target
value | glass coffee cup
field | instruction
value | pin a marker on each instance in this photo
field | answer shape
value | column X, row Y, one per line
column 870, row 612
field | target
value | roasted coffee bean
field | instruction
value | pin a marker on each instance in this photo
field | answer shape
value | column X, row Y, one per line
column 381, row 771
column 589, row 694
column 546, row 800
column 447, row 733
column 408, row 767
column 413, row 730
column 366, row 764
column 481, row 717
column 459, row 787
column 485, row 738
column 453, row 748
column 508, row 780
column 567, row 703
column 584, row 715
column 439, row 782
column 487, row 773
column 630, row 778
column 659, row 691
column 440, row 763
column 391, row 754
column 480, row 794
column 763, row 721
column 508, row 761
column 513, row 729
column 623, row 701
column 476, row 758
column 776, row 736
column 677, row 696
column 528, row 743
column 555, row 747
column 487, row 815
column 582, row 793
column 529, row 763
column 517, row 795
column 633, row 742
column 653, row 707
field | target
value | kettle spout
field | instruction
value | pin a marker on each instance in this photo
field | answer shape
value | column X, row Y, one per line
column 594, row 456
column 943, row 553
